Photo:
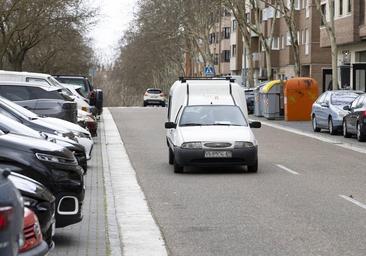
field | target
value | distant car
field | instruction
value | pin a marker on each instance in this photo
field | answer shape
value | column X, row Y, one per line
column 37, row 198
column 355, row 121
column 154, row 96
column 249, row 95
column 11, row 216
column 34, row 245
column 42, row 100
column 327, row 111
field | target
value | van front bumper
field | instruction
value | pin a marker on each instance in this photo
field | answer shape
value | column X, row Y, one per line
column 196, row 157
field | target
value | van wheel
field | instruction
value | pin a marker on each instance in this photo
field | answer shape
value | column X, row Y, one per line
column 178, row 168
column 254, row 167
column 171, row 156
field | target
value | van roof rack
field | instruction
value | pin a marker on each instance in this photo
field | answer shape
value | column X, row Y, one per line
column 227, row 78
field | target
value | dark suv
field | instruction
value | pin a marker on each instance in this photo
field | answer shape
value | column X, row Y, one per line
column 53, row 166
column 95, row 96
column 40, row 100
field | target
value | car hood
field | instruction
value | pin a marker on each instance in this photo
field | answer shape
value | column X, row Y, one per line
column 216, row 133
column 65, row 124
column 31, row 188
column 33, row 145
column 50, row 126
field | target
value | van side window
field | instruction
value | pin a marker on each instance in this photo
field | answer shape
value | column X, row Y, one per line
column 39, row 81
column 14, row 93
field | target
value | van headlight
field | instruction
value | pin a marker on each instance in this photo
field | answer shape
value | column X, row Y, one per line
column 56, row 159
column 243, row 144
column 192, row 145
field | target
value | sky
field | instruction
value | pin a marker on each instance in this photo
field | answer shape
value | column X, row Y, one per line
column 114, row 18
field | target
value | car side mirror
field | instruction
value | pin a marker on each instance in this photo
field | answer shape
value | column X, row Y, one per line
column 325, row 105
column 170, row 125
column 348, row 108
column 255, row 124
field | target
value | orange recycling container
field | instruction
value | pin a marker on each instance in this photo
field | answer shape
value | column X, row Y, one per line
column 299, row 95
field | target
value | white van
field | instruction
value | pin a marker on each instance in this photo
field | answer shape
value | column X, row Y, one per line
column 208, row 125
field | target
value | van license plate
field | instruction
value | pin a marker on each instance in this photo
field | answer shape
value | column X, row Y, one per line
column 218, row 154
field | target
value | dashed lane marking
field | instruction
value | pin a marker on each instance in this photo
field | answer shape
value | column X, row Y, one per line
column 350, row 199
column 287, row 169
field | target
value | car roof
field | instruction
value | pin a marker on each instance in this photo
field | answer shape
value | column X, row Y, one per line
column 24, row 73
column 45, row 87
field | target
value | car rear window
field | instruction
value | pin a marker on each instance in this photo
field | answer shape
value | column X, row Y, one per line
column 20, row 93
column 154, row 91
column 343, row 98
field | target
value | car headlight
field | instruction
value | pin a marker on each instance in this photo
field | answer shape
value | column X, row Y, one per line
column 86, row 109
column 56, row 159
column 192, row 145
column 243, row 144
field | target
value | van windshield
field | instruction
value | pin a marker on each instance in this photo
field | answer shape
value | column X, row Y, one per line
column 212, row 115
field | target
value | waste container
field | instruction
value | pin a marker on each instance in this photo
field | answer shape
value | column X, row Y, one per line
column 258, row 99
column 300, row 94
column 273, row 99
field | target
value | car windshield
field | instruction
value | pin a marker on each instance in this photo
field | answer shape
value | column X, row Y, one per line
column 154, row 91
column 212, row 115
column 76, row 82
column 18, row 109
column 343, row 98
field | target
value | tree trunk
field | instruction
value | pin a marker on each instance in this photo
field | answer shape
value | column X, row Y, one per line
column 250, row 73
column 334, row 48
column 269, row 65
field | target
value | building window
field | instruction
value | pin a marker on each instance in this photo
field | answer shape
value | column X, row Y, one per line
column 340, row 7
column 276, row 43
column 349, row 5
column 227, row 33
column 288, row 41
column 211, row 39
column 323, row 9
column 362, row 12
column 307, row 9
column 233, row 51
column 235, row 25
column 283, row 42
column 226, row 55
column 216, row 59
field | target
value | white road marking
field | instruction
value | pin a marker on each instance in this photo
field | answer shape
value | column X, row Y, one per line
column 139, row 233
column 287, row 169
column 315, row 136
column 353, row 201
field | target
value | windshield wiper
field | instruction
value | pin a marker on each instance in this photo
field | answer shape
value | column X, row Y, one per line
column 226, row 124
column 192, row 124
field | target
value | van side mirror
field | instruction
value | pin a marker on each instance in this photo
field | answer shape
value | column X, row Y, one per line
column 348, row 108
column 255, row 124
column 170, row 125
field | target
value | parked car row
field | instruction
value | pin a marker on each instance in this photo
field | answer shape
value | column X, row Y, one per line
column 341, row 111
column 46, row 131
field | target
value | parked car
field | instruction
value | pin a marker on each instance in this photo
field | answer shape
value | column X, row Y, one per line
column 249, row 96
column 49, row 125
column 52, row 165
column 37, row 198
column 8, row 124
column 355, row 121
column 95, row 96
column 154, row 96
column 327, row 110
column 44, row 101
column 34, row 245
column 11, row 216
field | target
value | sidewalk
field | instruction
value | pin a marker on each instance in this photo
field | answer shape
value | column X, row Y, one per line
column 304, row 128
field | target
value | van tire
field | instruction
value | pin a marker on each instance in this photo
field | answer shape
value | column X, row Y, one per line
column 171, row 157
column 253, row 168
column 178, row 168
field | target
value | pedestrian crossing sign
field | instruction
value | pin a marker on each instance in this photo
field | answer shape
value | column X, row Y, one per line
column 209, row 71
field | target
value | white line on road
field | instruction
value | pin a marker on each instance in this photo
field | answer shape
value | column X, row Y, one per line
column 315, row 136
column 287, row 169
column 353, row 201
column 139, row 233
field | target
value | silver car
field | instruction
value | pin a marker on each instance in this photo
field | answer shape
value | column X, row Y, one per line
column 327, row 111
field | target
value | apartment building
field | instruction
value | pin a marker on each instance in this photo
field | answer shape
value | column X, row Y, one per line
column 350, row 31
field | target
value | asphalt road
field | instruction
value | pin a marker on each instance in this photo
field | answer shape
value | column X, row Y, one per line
column 292, row 206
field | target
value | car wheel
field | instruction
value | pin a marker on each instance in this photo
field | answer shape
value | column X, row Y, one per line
column 254, row 167
column 178, row 168
column 171, row 156
column 314, row 124
column 332, row 131
column 360, row 135
column 163, row 104
column 345, row 132
column 145, row 104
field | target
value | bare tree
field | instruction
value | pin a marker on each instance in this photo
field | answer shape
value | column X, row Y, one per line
column 327, row 15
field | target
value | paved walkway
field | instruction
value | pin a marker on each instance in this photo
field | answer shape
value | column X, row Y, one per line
column 88, row 237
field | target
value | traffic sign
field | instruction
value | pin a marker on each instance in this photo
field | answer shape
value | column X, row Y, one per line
column 209, row 71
